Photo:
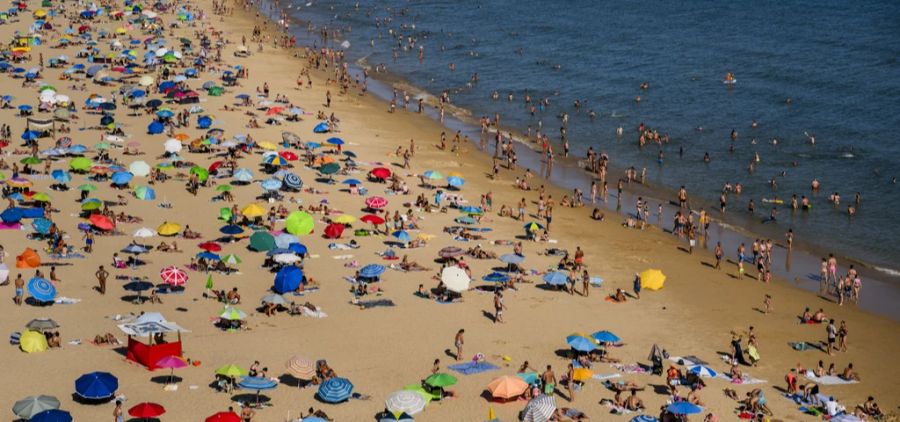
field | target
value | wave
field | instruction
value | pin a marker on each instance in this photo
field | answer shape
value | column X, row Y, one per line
column 889, row 271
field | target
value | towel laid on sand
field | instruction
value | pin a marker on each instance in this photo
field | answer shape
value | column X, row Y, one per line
column 746, row 379
column 470, row 368
column 366, row 304
column 632, row 368
column 603, row 377
column 828, row 379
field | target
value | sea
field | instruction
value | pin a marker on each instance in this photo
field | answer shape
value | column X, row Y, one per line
column 824, row 70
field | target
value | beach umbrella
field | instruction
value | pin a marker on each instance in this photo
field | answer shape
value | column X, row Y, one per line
column 41, row 225
column 512, row 258
column 652, row 279
column 52, row 415
column 455, row 279
column 556, row 278
column 455, row 181
column 373, row 219
column 301, row 367
column 293, row 181
column 274, row 299
column 334, row 230
column 533, row 226
column 683, row 408
column 582, row 374
column 144, row 233
column 87, row 187
column 231, row 259
column 121, row 177
column 146, row 410
column 703, row 371
column 299, row 223
column 330, row 168
column 96, row 385
column 606, row 337
column 344, row 219
column 507, row 387
column 231, row 230
column 580, row 343
column 232, row 314
column 201, row 173
column 440, row 380
column 433, row 175
column 91, row 204
column 335, row 390
column 40, row 197
column 288, row 155
column 134, row 249
column 173, row 276
column 61, row 176
column 41, row 289
column 380, row 173
column 288, row 279
column 496, row 277
column 471, row 210
column 258, row 384
column 168, row 229
column 28, row 407
column 224, row 417
column 12, row 215
column 271, row 184
column 145, row 193
column 376, row 202
column 231, row 370
column 450, row 252
column 405, row 401
column 33, row 342
column 644, row 418
column 80, row 164
column 394, row 416
column 208, row 256
column 401, row 235
column 352, row 182
column 253, row 211
column 139, row 168
column 539, row 409
column 262, row 241
column 19, row 182
column 101, row 222
column 210, row 246
column 242, row 175
column 371, row 271
column 41, row 324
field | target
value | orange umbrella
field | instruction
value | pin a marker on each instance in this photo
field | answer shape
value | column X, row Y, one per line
column 507, row 387
column 28, row 259
column 101, row 222
column 182, row 137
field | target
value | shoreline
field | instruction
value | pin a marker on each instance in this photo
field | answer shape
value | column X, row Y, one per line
column 881, row 286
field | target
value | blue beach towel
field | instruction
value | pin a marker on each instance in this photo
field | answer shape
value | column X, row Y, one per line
column 470, row 368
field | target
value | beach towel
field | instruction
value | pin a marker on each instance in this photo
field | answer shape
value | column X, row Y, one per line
column 311, row 313
column 470, row 368
column 62, row 300
column 632, row 368
column 619, row 410
column 828, row 379
column 746, row 379
column 604, row 377
column 375, row 303
column 71, row 255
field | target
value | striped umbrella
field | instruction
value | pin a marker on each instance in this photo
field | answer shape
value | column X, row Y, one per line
column 407, row 401
column 372, row 270
column 293, row 181
column 231, row 259
column 539, row 409
column 258, row 384
column 301, row 367
column 41, row 289
column 450, row 252
column 335, row 390
column 703, row 371
column 173, row 276
column 644, row 418
column 376, row 202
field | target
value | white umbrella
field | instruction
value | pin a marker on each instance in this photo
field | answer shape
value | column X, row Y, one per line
column 172, row 145
column 4, row 272
column 455, row 279
column 286, row 258
column 276, row 299
column 145, row 80
column 144, row 233
column 139, row 168
column 407, row 401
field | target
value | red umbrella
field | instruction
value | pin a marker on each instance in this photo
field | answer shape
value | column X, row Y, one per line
column 173, row 276
column 101, row 222
column 288, row 155
column 372, row 218
column 376, row 202
column 210, row 246
column 215, row 165
column 380, row 173
column 274, row 110
column 146, row 410
column 334, row 230
column 224, row 417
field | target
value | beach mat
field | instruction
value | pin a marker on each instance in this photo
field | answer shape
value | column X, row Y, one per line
column 828, row 379
column 471, row 368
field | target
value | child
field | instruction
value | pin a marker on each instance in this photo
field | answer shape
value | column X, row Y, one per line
column 768, row 303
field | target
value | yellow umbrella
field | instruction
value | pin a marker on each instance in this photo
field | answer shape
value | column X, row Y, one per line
column 33, row 341
column 425, row 236
column 344, row 219
column 582, row 374
column 652, row 279
column 268, row 145
column 454, row 174
column 40, row 13
column 253, row 210
column 120, row 30
column 168, row 229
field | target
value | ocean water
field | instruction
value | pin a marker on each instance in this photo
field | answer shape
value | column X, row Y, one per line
column 837, row 62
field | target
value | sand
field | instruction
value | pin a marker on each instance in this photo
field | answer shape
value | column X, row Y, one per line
column 383, row 349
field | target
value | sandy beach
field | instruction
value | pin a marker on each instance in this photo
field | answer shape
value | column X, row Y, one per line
column 383, row 349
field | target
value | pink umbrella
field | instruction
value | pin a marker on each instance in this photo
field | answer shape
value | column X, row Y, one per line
column 172, row 363
column 376, row 202
column 173, row 276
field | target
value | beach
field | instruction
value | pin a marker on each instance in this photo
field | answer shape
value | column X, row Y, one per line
column 383, row 349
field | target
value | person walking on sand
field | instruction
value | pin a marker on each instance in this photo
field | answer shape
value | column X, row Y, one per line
column 458, row 341
column 498, row 307
column 585, row 284
column 548, row 379
column 767, row 302
column 20, row 290
column 831, row 331
column 637, row 286
column 570, row 382
column 719, row 254
column 118, row 413
column 101, row 274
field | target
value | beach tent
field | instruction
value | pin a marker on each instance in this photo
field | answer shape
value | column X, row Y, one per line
column 149, row 354
column 28, row 259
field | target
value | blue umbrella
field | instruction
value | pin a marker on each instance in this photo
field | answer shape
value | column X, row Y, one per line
column 165, row 114
column 606, row 337
column 297, row 248
column 208, row 256
column 352, row 182
column 271, row 184
column 284, row 240
column 644, row 418
column 231, row 230
column 278, row 251
column 580, row 343
column 11, row 215
column 96, row 385
column 496, row 277
column 455, row 181
column 134, row 249
column 335, row 390
column 121, row 177
column 29, row 135
column 335, row 141
column 292, row 181
column 288, row 279
column 242, row 175
column 401, row 235
column 469, row 209
column 42, row 225
column 257, row 383
column 41, row 289
column 556, row 278
column 61, row 176
column 313, row 419
column 313, row 145
column 52, row 415
column 16, row 196
column 703, row 371
column 683, row 408
column 372, row 270
column 512, row 258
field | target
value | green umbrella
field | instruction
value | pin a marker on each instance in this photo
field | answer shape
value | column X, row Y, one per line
column 299, row 223
column 223, row 188
column 87, row 187
column 231, row 371
column 262, row 242
column 330, row 168
column 30, row 160
column 143, row 192
column 216, row 91
column 165, row 166
column 429, row 396
column 101, row 145
column 440, row 380
column 232, row 314
column 2, row 176
column 40, row 197
column 225, row 214
column 80, row 164
column 202, row 173
column 231, row 259
column 91, row 206
column 46, row 87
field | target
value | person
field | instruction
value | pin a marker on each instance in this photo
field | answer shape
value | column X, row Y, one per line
column 831, row 331
column 118, row 412
column 791, row 380
column 247, row 413
column 673, row 379
column 719, row 254
column 870, row 408
column 101, row 275
column 633, row 402
column 458, row 341
column 548, row 379
column 436, row 366
column 570, row 382
column 849, row 374
column 637, row 285
column 233, row 296
column 810, row 393
column 20, row 290
column 842, row 337
column 498, row 307
column 585, row 284
column 767, row 302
